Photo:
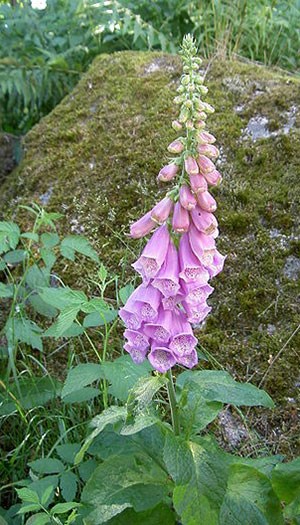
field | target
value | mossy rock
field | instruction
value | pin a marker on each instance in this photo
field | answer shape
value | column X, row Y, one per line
column 96, row 157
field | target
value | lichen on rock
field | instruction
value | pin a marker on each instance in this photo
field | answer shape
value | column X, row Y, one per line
column 96, row 157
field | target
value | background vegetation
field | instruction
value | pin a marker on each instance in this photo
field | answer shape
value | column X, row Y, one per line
column 43, row 52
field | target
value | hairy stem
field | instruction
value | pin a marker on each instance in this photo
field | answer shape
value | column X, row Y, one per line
column 173, row 404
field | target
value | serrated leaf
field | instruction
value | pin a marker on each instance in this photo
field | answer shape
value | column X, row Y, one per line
column 220, row 386
column 15, row 256
column 94, row 305
column 64, row 321
column 81, row 376
column 196, row 412
column 125, row 292
column 38, row 519
column 49, row 240
column 123, row 482
column 27, row 495
column 6, row 290
column 286, row 480
column 87, row 468
column 144, row 390
column 41, row 307
column 47, row 466
column 31, row 236
column 123, row 374
column 9, row 236
column 68, row 485
column 29, row 507
column 99, row 318
column 48, row 257
column 76, row 243
column 25, row 331
column 41, row 485
column 83, row 394
column 62, row 298
column 68, row 451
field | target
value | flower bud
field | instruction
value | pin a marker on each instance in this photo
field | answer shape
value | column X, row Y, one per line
column 213, row 177
column 206, row 201
column 185, row 80
column 205, row 138
column 209, row 150
column 200, row 124
column 208, row 108
column 181, row 219
column 178, row 100
column 168, row 172
column 189, row 124
column 203, row 90
column 180, row 89
column 176, row 125
column 184, row 115
column 187, row 199
column 175, row 147
column 191, row 166
column 198, row 183
column 162, row 210
column 205, row 164
column 201, row 115
column 142, row 227
column 189, row 104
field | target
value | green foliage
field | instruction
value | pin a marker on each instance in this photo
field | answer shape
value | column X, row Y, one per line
column 43, row 53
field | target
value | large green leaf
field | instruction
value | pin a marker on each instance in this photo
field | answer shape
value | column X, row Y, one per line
column 76, row 243
column 47, row 466
column 81, row 376
column 63, row 323
column 123, row 482
column 144, row 390
column 220, row 386
column 286, row 480
column 196, row 412
column 160, row 515
column 249, row 499
column 62, row 298
column 123, row 374
column 100, row 318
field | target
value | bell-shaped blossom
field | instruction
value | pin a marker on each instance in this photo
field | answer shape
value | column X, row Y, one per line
column 170, row 303
column 191, row 166
column 205, row 222
column 196, row 313
column 161, row 358
column 205, row 138
column 188, row 360
column 137, row 339
column 214, row 178
column 161, row 330
column 167, row 279
column 154, row 254
column 196, row 294
column 200, row 124
column 217, row 264
column 209, row 150
column 206, row 201
column 198, row 183
column 190, row 267
column 176, row 125
column 183, row 340
column 186, row 197
column 137, row 355
column 142, row 227
column 176, row 147
column 203, row 246
column 162, row 210
column 147, row 301
column 181, row 219
column 205, row 164
column 168, row 172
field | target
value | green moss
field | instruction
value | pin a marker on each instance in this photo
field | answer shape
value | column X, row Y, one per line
column 99, row 153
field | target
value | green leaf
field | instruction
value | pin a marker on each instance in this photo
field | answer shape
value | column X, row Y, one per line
column 122, row 482
column 68, row 485
column 62, row 508
column 49, row 240
column 195, row 411
column 220, row 386
column 42, row 485
column 35, row 391
column 84, row 394
column 109, row 416
column 87, row 468
column 29, row 507
column 25, row 331
column 15, row 256
column 94, row 305
column 9, row 236
column 48, row 257
column 286, row 480
column 41, row 307
column 63, row 323
column 249, row 499
column 62, row 298
column 37, row 277
column 74, row 330
column 102, row 273
column 38, row 519
column 47, row 466
column 292, row 511
column 161, row 514
column 139, row 422
column 27, row 495
column 81, row 376
column 123, row 374
column 6, row 290
column 125, row 292
column 76, row 243
column 68, row 451
column 100, row 318
column 31, row 236
column 144, row 390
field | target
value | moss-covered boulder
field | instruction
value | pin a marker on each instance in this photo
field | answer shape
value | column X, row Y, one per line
column 96, row 157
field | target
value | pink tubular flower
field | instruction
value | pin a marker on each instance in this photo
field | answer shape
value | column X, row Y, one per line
column 154, row 254
column 187, row 199
column 137, row 355
column 205, row 222
column 170, row 303
column 161, row 330
column 167, row 172
column 205, row 138
column 200, row 124
column 137, row 339
column 191, row 269
column 162, row 210
column 181, row 219
column 196, row 314
column 198, row 183
column 213, row 178
column 147, row 300
column 183, row 340
column 176, row 147
column 191, row 166
column 167, row 279
column 176, row 125
column 206, row 201
column 217, row 264
column 196, row 294
column 142, row 227
column 161, row 358
column 209, row 150
column 205, row 164
column 203, row 246
column 188, row 360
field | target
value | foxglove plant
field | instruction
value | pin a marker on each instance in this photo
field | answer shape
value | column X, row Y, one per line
column 181, row 256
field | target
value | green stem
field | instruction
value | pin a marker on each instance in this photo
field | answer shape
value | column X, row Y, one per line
column 173, row 404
